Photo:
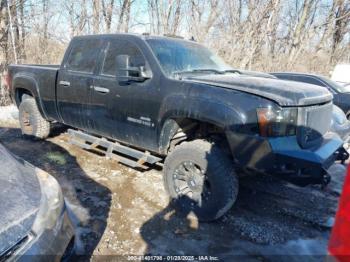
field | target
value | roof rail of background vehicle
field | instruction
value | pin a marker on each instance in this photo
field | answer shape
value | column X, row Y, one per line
column 296, row 73
column 324, row 77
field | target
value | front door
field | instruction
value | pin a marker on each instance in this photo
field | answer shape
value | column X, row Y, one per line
column 125, row 111
column 74, row 83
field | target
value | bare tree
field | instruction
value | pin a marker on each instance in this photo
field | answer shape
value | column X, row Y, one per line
column 23, row 30
column 95, row 16
column 272, row 27
column 4, row 22
column 203, row 15
column 341, row 24
column 299, row 31
column 256, row 28
column 77, row 15
column 165, row 16
column 266, row 35
column 124, row 17
column 107, row 11
column 44, row 37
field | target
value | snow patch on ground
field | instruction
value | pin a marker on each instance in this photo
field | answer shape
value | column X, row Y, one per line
column 305, row 247
column 8, row 113
column 78, row 214
column 338, row 172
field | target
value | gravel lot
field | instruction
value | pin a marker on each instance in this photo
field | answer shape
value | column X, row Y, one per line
column 118, row 210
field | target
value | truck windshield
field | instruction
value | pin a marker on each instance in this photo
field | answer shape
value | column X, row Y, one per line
column 181, row 57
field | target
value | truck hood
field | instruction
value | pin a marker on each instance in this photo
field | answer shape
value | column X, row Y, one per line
column 20, row 196
column 284, row 93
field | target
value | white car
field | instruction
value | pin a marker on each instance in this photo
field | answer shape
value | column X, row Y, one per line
column 341, row 74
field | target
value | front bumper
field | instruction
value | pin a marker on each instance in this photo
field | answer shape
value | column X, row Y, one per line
column 309, row 166
column 50, row 245
column 283, row 156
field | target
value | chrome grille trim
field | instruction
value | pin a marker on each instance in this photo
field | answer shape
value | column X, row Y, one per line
column 313, row 123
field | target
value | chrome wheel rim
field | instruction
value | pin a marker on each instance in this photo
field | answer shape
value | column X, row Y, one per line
column 190, row 180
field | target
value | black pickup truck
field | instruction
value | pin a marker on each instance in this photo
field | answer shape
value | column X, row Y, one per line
column 178, row 101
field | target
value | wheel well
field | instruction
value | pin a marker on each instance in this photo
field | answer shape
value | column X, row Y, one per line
column 19, row 95
column 190, row 129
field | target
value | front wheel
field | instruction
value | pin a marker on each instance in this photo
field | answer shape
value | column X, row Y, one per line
column 200, row 177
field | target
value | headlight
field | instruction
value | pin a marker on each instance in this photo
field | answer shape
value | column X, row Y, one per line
column 51, row 203
column 277, row 122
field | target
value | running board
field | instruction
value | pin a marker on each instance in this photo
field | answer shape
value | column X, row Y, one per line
column 111, row 149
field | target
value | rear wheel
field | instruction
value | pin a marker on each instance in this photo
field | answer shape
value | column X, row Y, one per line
column 30, row 119
column 200, row 178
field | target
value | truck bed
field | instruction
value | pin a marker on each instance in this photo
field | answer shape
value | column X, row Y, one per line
column 43, row 81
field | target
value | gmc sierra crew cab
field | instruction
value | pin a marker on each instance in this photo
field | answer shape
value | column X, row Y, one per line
column 177, row 100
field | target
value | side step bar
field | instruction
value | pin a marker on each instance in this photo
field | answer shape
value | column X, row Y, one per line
column 111, row 149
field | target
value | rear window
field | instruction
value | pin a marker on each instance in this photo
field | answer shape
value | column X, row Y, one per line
column 83, row 55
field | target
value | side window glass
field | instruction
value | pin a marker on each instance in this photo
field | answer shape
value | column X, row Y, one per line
column 83, row 56
column 120, row 47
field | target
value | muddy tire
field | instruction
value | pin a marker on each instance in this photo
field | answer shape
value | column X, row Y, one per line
column 31, row 122
column 200, row 178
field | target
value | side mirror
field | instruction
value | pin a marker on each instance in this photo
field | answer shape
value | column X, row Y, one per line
column 125, row 73
column 122, row 65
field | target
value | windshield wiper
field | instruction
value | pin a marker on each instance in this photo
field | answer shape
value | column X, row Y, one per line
column 208, row 70
column 218, row 72
column 232, row 71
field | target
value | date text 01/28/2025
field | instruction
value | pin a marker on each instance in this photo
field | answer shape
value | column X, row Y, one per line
column 173, row 258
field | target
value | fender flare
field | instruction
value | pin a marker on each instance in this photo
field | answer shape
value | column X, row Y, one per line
column 214, row 112
column 29, row 83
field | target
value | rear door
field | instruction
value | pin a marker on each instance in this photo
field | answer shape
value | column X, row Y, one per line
column 74, row 81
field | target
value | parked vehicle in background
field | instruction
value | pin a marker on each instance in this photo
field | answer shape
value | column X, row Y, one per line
column 341, row 74
column 340, row 124
column 168, row 98
column 34, row 224
column 341, row 94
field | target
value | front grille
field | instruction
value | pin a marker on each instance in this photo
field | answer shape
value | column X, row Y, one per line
column 313, row 123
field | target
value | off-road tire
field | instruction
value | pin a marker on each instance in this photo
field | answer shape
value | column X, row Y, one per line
column 30, row 119
column 218, row 169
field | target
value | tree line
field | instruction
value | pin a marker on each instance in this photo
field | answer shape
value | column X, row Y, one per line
column 265, row 35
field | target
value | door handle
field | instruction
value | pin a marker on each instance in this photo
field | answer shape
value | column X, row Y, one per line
column 64, row 83
column 100, row 89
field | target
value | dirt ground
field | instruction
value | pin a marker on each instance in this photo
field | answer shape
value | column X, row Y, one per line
column 118, row 210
